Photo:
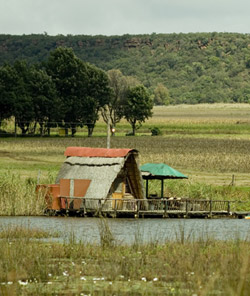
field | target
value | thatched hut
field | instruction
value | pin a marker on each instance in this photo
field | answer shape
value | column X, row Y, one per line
column 94, row 175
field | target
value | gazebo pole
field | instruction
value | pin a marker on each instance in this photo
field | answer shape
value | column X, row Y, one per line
column 146, row 188
column 108, row 133
column 162, row 187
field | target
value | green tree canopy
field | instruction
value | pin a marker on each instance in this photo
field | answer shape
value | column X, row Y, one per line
column 45, row 103
column 161, row 95
column 69, row 74
column 81, row 88
column 28, row 94
column 177, row 61
column 98, row 95
column 138, row 107
column 23, row 107
column 8, row 78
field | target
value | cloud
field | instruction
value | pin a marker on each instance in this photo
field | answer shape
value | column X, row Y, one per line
column 117, row 17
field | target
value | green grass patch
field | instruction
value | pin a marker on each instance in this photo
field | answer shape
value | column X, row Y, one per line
column 11, row 232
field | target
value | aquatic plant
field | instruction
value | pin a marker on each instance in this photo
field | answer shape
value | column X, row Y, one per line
column 181, row 267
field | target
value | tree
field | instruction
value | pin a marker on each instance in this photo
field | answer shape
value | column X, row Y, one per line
column 119, row 84
column 8, row 79
column 23, row 108
column 45, row 103
column 161, row 95
column 82, row 89
column 28, row 94
column 97, row 96
column 138, row 107
column 69, row 74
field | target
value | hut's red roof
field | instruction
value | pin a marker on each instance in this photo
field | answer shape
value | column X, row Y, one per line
column 96, row 152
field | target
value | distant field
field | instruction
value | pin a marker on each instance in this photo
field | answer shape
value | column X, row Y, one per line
column 210, row 113
column 209, row 143
column 204, row 120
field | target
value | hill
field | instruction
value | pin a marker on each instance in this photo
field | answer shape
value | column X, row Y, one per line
column 194, row 67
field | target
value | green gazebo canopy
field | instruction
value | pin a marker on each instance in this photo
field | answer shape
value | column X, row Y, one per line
column 159, row 171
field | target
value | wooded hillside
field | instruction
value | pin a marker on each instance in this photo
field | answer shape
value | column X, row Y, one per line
column 194, row 67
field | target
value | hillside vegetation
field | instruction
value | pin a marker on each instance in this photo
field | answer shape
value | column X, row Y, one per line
column 194, row 67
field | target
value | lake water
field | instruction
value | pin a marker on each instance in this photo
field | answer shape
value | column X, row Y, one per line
column 129, row 230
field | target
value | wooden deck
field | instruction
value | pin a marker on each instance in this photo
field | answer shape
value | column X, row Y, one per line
column 143, row 208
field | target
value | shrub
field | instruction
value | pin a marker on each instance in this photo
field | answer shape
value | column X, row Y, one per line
column 155, row 131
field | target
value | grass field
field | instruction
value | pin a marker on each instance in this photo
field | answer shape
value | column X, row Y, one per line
column 209, row 143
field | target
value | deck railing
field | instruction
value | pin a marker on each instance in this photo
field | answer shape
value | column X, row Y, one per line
column 146, row 206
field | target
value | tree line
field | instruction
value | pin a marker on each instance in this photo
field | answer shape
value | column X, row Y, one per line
column 66, row 90
column 176, row 68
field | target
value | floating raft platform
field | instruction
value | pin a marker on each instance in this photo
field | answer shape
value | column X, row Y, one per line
column 144, row 208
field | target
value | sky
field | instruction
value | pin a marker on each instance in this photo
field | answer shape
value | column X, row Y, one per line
column 119, row 17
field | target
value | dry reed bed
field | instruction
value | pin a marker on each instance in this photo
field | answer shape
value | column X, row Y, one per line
column 18, row 197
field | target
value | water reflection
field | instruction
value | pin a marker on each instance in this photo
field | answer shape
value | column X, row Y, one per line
column 126, row 231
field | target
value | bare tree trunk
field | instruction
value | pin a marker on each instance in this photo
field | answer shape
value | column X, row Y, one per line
column 90, row 130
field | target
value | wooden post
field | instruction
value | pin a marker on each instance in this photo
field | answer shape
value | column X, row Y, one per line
column 137, row 208
column 115, row 208
column 210, row 208
column 166, row 208
column 162, row 188
column 99, row 208
column 108, row 133
column 84, row 207
column 146, row 188
column 228, row 208
column 233, row 180
column 186, row 207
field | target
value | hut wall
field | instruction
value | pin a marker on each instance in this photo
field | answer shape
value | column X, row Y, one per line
column 101, row 171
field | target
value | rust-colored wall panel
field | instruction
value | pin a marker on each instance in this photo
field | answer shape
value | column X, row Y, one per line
column 64, row 187
column 77, row 204
column 55, row 192
column 80, row 187
column 51, row 194
column 64, row 191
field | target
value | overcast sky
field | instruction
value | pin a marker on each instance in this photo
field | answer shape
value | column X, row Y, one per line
column 118, row 17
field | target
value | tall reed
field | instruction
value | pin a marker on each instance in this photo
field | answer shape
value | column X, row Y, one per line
column 107, row 239
column 18, row 196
